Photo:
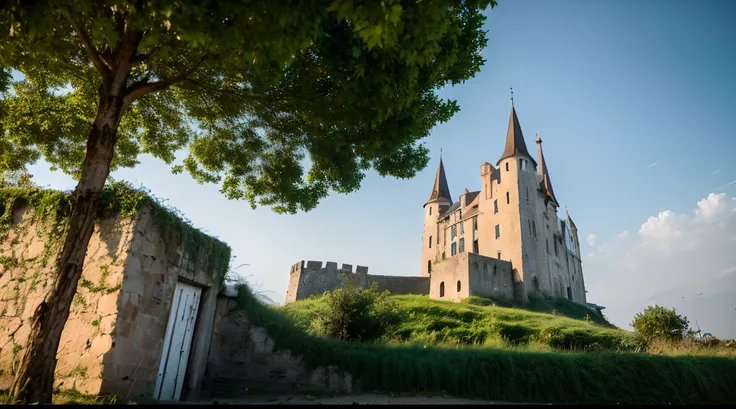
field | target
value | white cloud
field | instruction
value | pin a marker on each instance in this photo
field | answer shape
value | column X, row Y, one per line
column 672, row 253
column 713, row 207
column 591, row 239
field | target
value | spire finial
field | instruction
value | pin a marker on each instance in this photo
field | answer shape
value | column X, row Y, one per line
column 512, row 95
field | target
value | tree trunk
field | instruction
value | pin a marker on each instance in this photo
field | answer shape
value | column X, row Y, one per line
column 34, row 380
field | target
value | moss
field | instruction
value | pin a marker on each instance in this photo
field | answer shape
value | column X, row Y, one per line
column 51, row 207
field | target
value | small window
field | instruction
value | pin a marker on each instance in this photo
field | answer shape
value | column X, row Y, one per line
column 460, row 286
column 498, row 231
column 475, row 223
column 430, row 210
column 442, row 289
column 495, row 206
column 453, row 249
column 443, row 255
column 499, row 257
column 462, row 245
column 462, row 228
column 508, row 198
column 453, row 232
column 429, row 267
column 527, row 194
column 569, row 292
column 556, row 254
column 430, row 241
column 475, row 247
column 507, row 166
column 534, row 227
column 547, row 246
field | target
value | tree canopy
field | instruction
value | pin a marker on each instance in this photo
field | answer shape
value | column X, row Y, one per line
column 279, row 102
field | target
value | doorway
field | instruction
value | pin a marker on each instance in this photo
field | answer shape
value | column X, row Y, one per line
column 178, row 342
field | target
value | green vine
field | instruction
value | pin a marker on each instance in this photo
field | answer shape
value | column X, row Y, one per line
column 204, row 253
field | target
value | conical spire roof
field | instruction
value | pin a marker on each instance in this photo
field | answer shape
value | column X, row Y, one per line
column 440, row 190
column 542, row 169
column 515, row 145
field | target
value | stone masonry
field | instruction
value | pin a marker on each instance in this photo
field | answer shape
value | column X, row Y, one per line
column 312, row 279
column 113, row 340
column 242, row 360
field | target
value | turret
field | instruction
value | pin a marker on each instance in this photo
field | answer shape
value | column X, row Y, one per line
column 543, row 176
column 439, row 201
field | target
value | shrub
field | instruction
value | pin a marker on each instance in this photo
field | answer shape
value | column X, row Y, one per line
column 353, row 314
column 657, row 322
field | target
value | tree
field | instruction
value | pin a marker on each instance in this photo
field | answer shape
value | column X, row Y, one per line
column 253, row 91
column 18, row 178
column 657, row 322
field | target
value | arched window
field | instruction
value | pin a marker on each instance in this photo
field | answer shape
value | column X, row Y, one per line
column 442, row 289
column 429, row 267
column 458, row 286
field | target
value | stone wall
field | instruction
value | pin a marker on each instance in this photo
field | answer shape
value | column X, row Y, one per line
column 113, row 340
column 242, row 359
column 312, row 279
column 468, row 274
column 26, row 274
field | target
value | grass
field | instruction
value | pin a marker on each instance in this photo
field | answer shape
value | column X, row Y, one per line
column 482, row 322
column 69, row 397
column 499, row 373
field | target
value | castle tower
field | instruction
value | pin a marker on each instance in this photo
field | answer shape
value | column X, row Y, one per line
column 515, row 210
column 550, row 249
column 439, row 201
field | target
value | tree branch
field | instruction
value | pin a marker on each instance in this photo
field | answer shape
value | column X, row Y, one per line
column 92, row 52
column 140, row 89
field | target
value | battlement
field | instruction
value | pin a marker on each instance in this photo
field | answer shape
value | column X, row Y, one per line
column 329, row 267
column 315, row 277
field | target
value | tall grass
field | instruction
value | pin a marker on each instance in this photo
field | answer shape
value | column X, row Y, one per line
column 480, row 322
column 502, row 374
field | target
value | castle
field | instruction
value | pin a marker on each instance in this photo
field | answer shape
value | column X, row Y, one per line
column 504, row 241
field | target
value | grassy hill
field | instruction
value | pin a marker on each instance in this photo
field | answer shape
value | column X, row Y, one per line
column 488, row 352
column 543, row 325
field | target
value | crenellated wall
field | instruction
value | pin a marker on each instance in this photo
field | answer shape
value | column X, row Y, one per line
column 306, row 280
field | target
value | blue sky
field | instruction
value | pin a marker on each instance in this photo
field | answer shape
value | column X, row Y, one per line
column 636, row 104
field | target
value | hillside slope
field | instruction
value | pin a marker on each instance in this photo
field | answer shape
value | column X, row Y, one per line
column 542, row 325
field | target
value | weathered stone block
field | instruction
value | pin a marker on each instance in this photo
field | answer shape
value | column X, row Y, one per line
column 101, row 345
column 108, row 304
column 314, row 265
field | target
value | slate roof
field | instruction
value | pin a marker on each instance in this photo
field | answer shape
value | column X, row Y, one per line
column 546, row 182
column 440, row 188
column 515, row 145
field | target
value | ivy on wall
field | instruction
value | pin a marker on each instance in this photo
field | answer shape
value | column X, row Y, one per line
column 51, row 209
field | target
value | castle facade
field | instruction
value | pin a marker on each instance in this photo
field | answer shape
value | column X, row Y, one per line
column 513, row 217
column 504, row 241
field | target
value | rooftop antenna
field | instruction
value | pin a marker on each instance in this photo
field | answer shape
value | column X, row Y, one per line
column 512, row 95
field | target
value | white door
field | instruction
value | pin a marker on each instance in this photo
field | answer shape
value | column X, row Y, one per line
column 179, row 331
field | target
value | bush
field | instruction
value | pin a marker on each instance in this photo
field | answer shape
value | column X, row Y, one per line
column 353, row 314
column 657, row 322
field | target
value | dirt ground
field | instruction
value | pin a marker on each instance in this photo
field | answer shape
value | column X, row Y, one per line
column 364, row 399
